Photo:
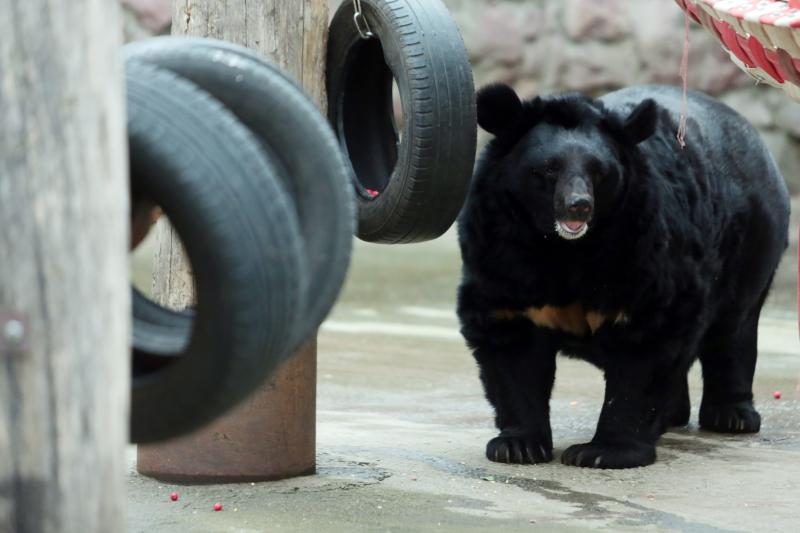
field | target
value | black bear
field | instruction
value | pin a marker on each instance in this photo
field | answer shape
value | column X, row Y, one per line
column 588, row 230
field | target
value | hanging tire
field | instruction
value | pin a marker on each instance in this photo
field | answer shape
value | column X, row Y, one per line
column 421, row 178
column 208, row 173
column 297, row 138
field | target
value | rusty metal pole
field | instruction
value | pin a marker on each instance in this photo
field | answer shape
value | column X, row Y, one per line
column 272, row 435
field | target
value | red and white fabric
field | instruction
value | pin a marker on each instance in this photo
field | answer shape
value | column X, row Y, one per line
column 761, row 36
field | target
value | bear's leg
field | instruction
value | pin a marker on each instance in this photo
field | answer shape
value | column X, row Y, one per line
column 632, row 418
column 518, row 386
column 729, row 362
column 517, row 368
column 679, row 409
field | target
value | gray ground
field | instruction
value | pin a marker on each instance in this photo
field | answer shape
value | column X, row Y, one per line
column 402, row 425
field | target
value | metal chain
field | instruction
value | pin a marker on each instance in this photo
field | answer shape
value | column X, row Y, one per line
column 361, row 22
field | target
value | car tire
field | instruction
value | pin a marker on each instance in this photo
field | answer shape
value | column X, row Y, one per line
column 410, row 187
column 218, row 188
column 296, row 136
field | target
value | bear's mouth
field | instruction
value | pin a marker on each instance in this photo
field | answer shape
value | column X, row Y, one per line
column 571, row 229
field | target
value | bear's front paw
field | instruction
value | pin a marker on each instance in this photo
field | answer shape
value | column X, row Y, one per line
column 739, row 417
column 597, row 455
column 519, row 448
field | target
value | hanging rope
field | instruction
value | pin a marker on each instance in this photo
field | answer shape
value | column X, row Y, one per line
column 685, row 77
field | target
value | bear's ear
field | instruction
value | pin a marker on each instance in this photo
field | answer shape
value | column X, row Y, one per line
column 499, row 108
column 641, row 124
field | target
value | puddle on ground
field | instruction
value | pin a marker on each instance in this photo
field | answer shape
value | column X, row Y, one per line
column 588, row 505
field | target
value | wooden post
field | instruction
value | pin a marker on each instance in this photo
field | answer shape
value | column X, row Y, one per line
column 272, row 434
column 64, row 283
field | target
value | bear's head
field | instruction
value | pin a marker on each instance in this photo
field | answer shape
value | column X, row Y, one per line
column 564, row 160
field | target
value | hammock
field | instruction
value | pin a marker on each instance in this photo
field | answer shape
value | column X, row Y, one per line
column 761, row 36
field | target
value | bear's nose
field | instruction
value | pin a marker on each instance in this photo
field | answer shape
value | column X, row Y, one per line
column 579, row 205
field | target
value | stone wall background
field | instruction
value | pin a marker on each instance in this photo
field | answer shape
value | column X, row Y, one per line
column 593, row 46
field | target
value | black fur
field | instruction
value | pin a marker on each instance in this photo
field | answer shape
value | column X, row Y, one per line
column 499, row 108
column 681, row 247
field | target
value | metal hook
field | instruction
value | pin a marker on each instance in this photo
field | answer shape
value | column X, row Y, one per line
column 361, row 22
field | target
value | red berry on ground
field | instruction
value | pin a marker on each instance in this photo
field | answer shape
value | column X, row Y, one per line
column 173, row 496
column 217, row 506
column 776, row 395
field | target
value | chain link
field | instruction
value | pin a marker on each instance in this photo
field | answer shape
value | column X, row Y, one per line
column 361, row 22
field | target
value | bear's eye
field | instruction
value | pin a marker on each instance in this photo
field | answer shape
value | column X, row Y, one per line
column 597, row 171
column 547, row 170
column 545, row 174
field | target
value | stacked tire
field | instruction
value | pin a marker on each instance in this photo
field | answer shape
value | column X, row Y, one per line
column 251, row 177
column 265, row 195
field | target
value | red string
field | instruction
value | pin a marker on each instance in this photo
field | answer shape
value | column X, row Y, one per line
column 685, row 77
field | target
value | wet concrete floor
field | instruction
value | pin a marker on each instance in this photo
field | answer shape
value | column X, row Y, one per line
column 402, row 425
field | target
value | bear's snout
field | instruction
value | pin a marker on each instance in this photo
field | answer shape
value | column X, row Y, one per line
column 574, row 206
column 574, row 196
column 579, row 206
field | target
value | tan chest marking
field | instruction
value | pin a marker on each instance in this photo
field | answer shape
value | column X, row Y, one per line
column 572, row 319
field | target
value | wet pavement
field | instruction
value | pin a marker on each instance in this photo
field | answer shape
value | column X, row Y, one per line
column 402, row 425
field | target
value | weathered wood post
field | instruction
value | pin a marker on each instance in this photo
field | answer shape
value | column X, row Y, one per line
column 272, row 435
column 64, row 283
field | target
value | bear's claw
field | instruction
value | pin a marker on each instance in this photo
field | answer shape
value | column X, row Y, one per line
column 595, row 455
column 519, row 449
column 740, row 417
